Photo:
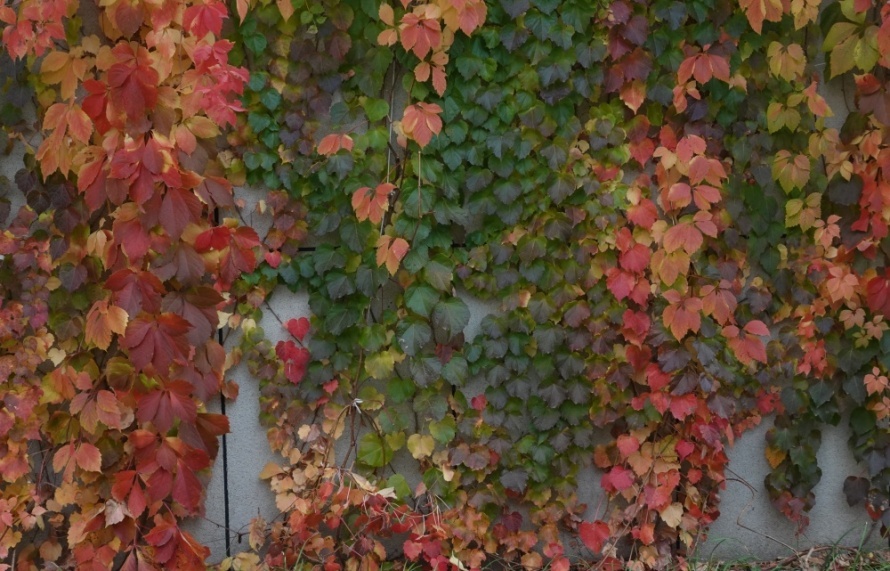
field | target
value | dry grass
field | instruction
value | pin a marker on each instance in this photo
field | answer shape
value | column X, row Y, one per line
column 825, row 558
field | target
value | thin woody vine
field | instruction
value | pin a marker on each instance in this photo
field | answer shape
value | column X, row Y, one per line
column 670, row 263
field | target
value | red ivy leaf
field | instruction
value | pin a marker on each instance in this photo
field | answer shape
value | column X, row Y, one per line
column 594, row 535
column 298, row 327
column 617, row 479
column 412, row 549
column 620, row 283
column 759, row 11
column 643, row 214
column 157, row 340
column 683, row 406
column 133, row 82
column 295, row 360
column 205, row 18
column 198, row 307
column 216, row 192
column 179, row 208
column 878, row 294
column 130, row 233
column 135, row 291
column 187, row 489
column 237, row 246
column 635, row 259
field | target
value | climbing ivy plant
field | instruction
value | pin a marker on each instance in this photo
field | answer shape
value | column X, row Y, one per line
column 674, row 234
column 673, row 230
column 112, row 277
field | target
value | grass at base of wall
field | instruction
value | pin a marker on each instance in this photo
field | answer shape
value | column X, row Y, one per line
column 824, row 558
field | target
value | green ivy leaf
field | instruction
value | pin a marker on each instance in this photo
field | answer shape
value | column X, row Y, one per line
column 455, row 371
column 451, row 315
column 376, row 109
column 413, row 334
column 445, row 430
column 373, row 451
column 399, row 389
column 421, row 298
column 438, row 273
column 271, row 99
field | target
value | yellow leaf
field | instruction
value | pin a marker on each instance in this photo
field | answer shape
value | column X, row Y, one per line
column 421, row 446
column 102, row 321
column 672, row 515
column 386, row 14
column 791, row 172
column 271, row 469
column 786, row 62
column 380, row 365
column 774, row 456
column 792, row 212
column 804, row 12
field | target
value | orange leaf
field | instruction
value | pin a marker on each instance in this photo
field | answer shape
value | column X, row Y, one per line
column 718, row 303
column 679, row 196
column 875, row 382
column 669, row 267
column 683, row 317
column 386, row 14
column 746, row 346
column 286, row 7
column 422, row 71
column 62, row 457
column 683, row 235
column 774, row 456
column 64, row 68
column 102, row 321
column 372, row 205
column 705, row 196
column 439, row 80
column 420, row 34
column 388, row 37
column 633, row 94
column 333, row 143
column 422, row 121
column 817, row 104
column 88, row 458
column 391, row 252
column 759, row 11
